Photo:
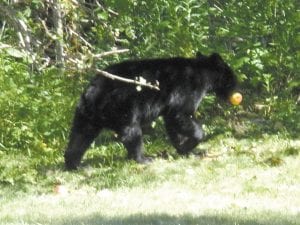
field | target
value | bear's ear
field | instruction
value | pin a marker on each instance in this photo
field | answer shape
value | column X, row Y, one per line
column 199, row 55
column 216, row 58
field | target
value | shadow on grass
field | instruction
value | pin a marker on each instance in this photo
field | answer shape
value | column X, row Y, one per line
column 186, row 219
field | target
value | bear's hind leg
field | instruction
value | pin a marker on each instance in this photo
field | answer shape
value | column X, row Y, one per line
column 131, row 137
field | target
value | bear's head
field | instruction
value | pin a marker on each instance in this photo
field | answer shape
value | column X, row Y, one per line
column 224, row 81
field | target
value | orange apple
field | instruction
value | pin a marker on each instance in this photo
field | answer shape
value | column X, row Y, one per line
column 236, row 98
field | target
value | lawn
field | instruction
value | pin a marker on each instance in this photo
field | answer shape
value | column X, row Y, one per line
column 238, row 182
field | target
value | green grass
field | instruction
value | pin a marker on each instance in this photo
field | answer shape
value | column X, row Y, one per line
column 161, row 205
column 240, row 181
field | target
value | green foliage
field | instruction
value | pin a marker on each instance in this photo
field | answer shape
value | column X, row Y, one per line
column 263, row 39
column 35, row 117
column 156, row 28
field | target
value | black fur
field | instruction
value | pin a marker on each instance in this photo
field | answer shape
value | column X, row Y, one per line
column 121, row 107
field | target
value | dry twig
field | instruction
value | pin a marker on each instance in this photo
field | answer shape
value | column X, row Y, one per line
column 126, row 80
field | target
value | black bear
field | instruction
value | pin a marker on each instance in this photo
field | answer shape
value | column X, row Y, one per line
column 125, row 109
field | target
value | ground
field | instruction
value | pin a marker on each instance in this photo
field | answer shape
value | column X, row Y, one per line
column 226, row 188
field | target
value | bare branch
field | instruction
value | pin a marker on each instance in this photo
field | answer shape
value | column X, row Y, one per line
column 80, row 37
column 19, row 25
column 139, row 83
column 2, row 29
column 109, row 10
column 122, row 79
column 117, row 51
column 3, row 46
column 22, row 30
column 126, row 80
column 48, row 33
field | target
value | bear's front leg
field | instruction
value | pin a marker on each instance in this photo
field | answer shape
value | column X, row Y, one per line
column 184, row 132
column 132, row 138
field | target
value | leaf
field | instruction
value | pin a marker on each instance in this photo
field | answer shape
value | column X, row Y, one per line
column 241, row 61
column 102, row 16
column 15, row 53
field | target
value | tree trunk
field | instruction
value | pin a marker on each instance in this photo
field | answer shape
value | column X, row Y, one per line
column 58, row 26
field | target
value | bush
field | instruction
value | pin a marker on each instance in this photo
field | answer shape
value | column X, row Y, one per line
column 36, row 111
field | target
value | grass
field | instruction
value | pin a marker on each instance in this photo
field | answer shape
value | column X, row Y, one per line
column 161, row 205
column 240, row 181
